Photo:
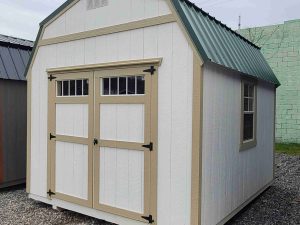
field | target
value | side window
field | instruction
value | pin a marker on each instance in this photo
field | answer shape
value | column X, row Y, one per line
column 122, row 86
column 72, row 88
column 248, row 134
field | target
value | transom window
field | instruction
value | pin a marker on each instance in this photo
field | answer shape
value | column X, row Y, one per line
column 249, row 111
column 123, row 85
column 68, row 88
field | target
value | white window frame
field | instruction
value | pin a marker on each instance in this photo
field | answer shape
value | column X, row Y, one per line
column 251, row 143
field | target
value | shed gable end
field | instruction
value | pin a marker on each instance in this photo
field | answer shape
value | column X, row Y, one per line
column 86, row 15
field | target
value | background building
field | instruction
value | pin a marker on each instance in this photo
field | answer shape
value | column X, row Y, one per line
column 281, row 47
column 14, row 55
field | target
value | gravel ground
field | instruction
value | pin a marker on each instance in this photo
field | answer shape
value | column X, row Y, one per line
column 280, row 204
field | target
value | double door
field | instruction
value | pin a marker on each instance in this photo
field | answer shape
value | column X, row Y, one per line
column 101, row 145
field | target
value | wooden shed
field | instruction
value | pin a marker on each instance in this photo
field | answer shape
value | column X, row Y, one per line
column 14, row 56
column 148, row 112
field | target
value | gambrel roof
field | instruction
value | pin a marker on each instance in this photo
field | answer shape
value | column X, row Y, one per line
column 221, row 45
column 214, row 41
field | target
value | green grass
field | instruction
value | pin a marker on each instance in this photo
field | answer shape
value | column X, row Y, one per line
column 290, row 149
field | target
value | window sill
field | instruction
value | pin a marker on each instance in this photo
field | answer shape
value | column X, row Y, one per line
column 248, row 145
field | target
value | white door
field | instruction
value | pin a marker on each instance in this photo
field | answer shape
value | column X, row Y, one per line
column 70, row 138
column 102, row 140
column 123, row 151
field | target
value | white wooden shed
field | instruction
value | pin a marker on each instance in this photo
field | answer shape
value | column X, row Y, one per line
column 147, row 111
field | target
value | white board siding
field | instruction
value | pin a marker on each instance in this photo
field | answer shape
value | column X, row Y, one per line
column 122, row 179
column 174, row 106
column 72, row 120
column 231, row 176
column 72, row 169
column 78, row 18
column 122, row 122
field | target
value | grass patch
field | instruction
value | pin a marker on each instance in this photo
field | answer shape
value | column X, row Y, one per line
column 290, row 149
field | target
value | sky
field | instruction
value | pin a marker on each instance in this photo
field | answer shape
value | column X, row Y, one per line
column 21, row 18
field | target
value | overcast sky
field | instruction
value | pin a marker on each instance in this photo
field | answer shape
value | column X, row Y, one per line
column 21, row 18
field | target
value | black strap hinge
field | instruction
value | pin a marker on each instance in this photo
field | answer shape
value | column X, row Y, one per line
column 50, row 193
column 148, row 218
column 52, row 136
column 51, row 77
column 151, row 70
column 150, row 146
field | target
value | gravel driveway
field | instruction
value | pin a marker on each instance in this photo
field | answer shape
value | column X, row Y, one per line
column 280, row 204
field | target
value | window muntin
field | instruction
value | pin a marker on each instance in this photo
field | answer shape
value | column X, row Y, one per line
column 249, row 110
column 72, row 88
column 123, row 85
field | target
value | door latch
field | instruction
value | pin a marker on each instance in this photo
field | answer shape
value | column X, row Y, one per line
column 96, row 141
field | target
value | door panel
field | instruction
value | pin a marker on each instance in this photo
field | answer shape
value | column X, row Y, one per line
column 72, row 169
column 122, row 125
column 122, row 178
column 72, row 120
column 122, row 122
column 70, row 143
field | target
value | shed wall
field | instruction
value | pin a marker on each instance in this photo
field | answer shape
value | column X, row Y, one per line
column 13, row 132
column 175, row 82
column 79, row 19
column 230, row 176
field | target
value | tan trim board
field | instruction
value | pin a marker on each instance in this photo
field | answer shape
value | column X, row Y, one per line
column 28, row 156
column 274, row 132
column 122, row 145
column 110, row 30
column 71, row 100
column 183, row 29
column 107, row 65
column 121, row 99
column 154, row 139
column 72, row 139
column 237, row 210
column 197, row 142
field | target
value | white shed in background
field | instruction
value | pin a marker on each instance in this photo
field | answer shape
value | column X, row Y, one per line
column 147, row 112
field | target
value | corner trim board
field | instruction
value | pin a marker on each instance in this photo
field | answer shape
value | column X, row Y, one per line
column 110, row 30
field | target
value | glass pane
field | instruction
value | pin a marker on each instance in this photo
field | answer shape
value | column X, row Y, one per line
column 246, row 90
column 140, row 85
column 66, row 88
column 122, row 85
column 246, row 104
column 251, row 108
column 131, row 85
column 85, row 87
column 248, row 127
column 79, row 87
column 59, row 88
column 105, row 86
column 251, row 90
column 114, row 86
column 72, row 87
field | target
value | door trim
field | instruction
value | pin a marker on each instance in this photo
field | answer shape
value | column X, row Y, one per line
column 52, row 101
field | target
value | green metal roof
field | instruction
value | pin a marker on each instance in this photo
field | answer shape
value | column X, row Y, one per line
column 221, row 45
column 215, row 42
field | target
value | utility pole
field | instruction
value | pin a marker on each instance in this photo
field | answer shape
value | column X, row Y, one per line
column 240, row 22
